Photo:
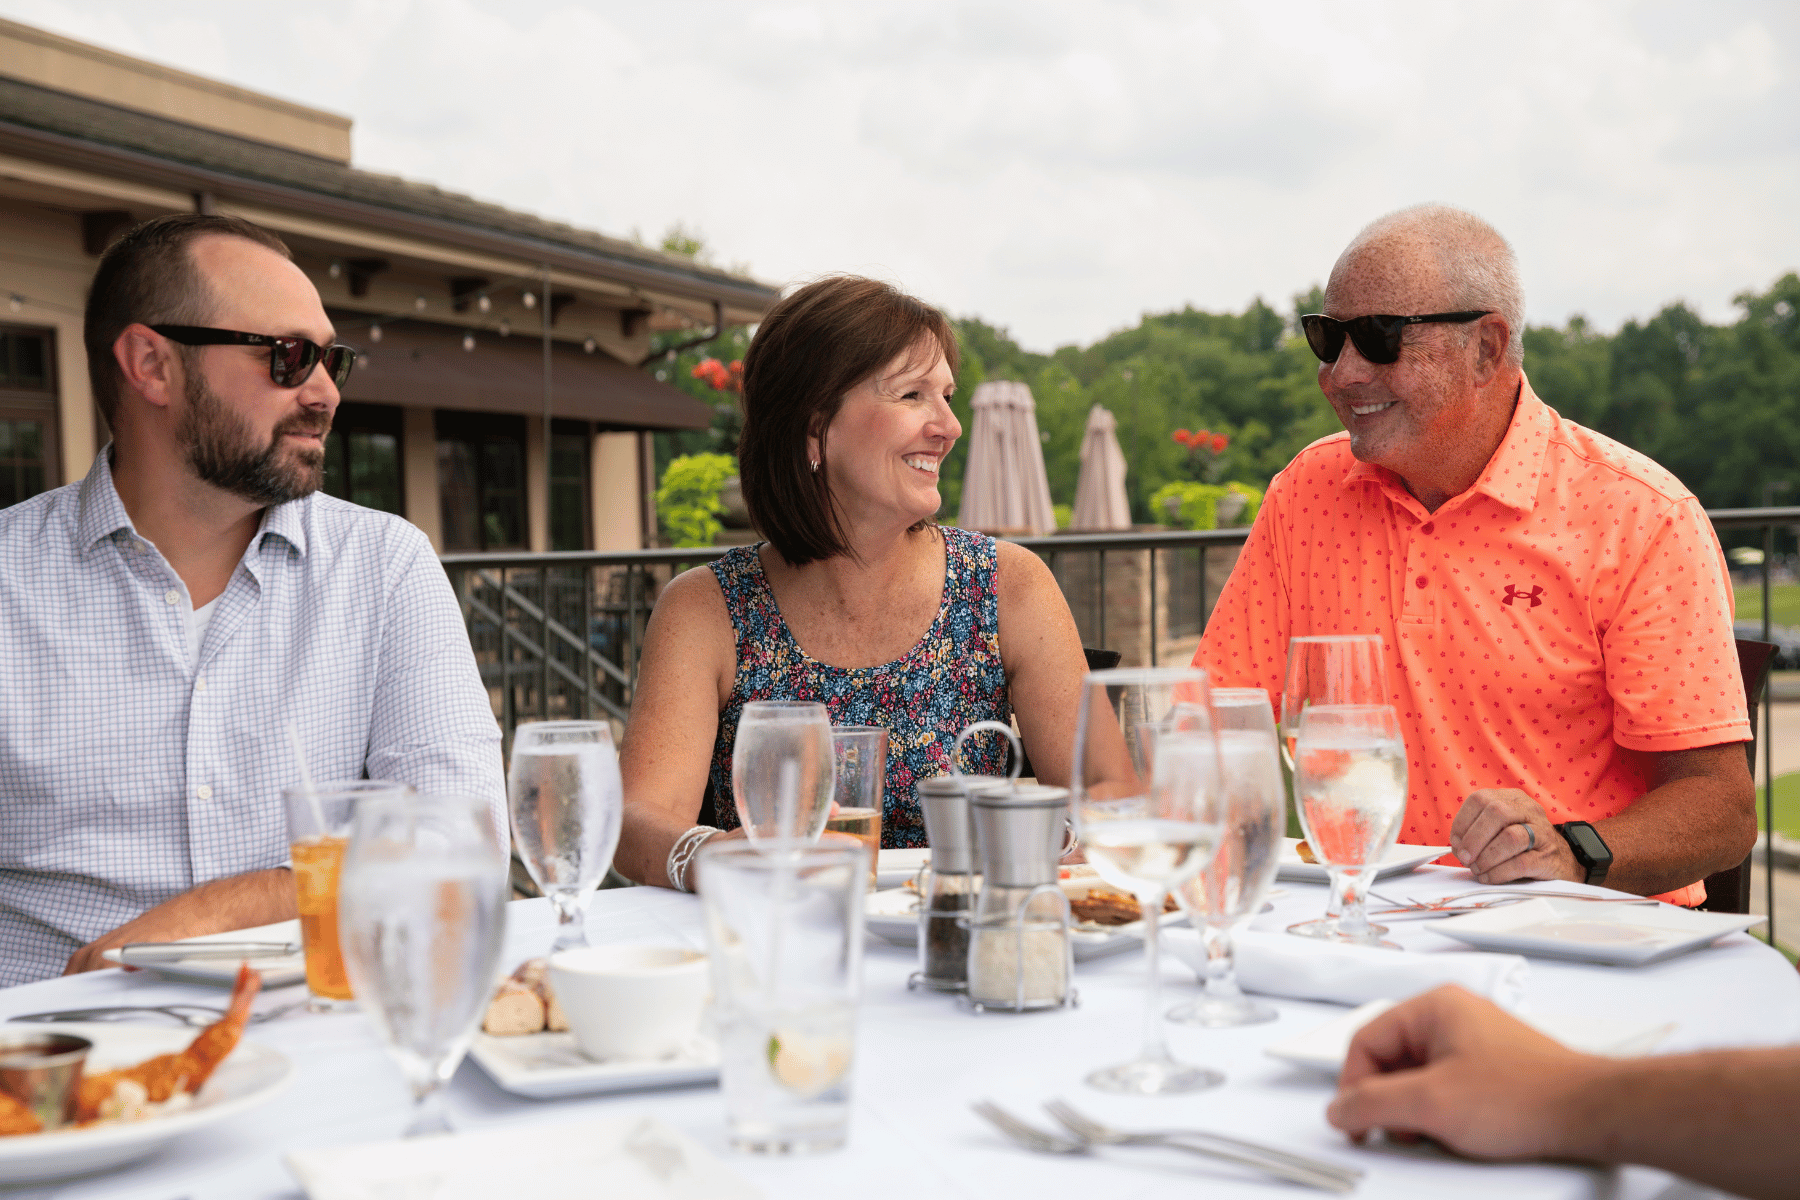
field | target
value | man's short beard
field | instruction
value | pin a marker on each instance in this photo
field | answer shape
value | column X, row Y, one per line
column 220, row 450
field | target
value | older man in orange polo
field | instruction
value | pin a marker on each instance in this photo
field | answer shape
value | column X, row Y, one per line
column 1554, row 606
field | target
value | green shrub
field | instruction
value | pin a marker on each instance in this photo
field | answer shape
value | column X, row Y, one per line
column 687, row 502
column 1196, row 505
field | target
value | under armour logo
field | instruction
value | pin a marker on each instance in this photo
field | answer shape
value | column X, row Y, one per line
column 1513, row 593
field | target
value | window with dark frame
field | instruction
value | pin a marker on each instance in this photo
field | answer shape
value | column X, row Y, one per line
column 481, row 481
column 571, row 507
column 363, row 457
column 29, row 461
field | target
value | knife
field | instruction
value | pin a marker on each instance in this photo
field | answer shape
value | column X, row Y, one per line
column 137, row 953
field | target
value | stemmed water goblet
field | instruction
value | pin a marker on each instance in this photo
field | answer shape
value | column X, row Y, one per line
column 1229, row 892
column 783, row 770
column 1345, row 668
column 1350, row 788
column 1149, row 810
column 566, row 800
column 421, row 912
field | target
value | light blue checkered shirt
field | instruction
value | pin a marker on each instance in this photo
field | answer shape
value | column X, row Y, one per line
column 128, row 775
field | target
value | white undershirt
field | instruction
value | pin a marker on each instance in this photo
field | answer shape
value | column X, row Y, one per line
column 198, row 619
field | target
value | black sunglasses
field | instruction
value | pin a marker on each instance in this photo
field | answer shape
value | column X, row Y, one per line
column 291, row 359
column 1377, row 338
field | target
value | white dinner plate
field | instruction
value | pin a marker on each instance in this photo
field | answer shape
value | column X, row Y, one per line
column 895, row 867
column 249, row 1076
column 1624, row 935
column 893, row 916
column 1399, row 860
column 548, row 1065
column 276, row 971
column 1323, row 1047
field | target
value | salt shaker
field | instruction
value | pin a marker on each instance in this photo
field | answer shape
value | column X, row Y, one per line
column 1020, row 957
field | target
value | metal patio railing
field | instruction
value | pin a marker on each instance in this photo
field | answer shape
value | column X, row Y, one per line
column 558, row 635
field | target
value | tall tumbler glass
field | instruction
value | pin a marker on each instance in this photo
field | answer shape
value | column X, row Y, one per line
column 1350, row 785
column 784, row 930
column 1348, row 668
column 566, row 801
column 783, row 770
column 1228, row 893
column 422, row 910
column 861, row 785
column 319, row 822
column 1149, row 811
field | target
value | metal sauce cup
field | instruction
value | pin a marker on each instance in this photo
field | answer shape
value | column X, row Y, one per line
column 43, row 1072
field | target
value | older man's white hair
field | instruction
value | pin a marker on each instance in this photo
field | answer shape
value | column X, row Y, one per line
column 1477, row 263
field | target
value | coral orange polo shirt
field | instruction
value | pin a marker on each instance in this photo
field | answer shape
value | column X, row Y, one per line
column 1568, row 612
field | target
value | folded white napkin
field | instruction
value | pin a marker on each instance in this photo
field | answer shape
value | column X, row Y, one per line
column 1280, row 964
column 638, row 1157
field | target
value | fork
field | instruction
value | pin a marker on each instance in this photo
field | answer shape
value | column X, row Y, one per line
column 1314, row 1172
column 1046, row 1142
column 195, row 1015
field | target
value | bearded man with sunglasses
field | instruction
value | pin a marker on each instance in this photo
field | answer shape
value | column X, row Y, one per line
column 1554, row 607
column 165, row 621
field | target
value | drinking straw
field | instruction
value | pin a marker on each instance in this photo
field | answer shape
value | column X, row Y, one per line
column 306, row 783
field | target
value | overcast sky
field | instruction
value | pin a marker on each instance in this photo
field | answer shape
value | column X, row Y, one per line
column 1059, row 167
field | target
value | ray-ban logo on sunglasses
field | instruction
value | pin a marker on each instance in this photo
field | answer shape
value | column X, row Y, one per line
column 1513, row 593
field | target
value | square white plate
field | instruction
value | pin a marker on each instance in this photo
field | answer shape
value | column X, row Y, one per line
column 1399, row 860
column 279, row 971
column 1627, row 935
column 893, row 916
column 1323, row 1047
column 895, row 867
column 548, row 1065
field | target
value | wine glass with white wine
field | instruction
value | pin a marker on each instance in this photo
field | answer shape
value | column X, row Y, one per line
column 1149, row 811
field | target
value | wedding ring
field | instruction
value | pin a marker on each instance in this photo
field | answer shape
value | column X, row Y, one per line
column 1530, row 833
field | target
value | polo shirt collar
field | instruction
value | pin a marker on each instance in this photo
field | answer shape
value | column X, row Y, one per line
column 102, row 512
column 1511, row 476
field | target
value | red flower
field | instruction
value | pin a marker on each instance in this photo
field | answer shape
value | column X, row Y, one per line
column 1181, row 436
column 1219, row 442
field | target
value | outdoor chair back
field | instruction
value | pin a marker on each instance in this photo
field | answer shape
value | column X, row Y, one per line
column 1729, row 890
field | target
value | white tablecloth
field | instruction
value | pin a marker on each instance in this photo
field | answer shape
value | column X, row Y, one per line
column 921, row 1061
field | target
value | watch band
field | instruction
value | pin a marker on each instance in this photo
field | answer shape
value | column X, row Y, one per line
column 1589, row 848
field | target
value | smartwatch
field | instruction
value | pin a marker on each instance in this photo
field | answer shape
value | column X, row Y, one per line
column 1590, row 849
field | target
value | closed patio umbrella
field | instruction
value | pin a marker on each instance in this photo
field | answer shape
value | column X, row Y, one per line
column 1100, row 489
column 1005, row 489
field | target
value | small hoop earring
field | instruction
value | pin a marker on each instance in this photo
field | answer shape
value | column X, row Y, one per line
column 815, row 466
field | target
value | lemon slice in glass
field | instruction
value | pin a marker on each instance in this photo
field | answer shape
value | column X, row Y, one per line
column 808, row 1064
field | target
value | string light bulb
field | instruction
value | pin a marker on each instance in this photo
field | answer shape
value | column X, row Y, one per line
column 363, row 361
column 335, row 269
column 374, row 333
column 590, row 345
column 15, row 301
column 483, row 303
column 529, row 300
column 418, row 304
column 505, row 327
column 468, row 341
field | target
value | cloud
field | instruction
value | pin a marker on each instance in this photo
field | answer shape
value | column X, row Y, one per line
column 1060, row 166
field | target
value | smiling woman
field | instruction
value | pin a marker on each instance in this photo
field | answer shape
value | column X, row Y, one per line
column 858, row 600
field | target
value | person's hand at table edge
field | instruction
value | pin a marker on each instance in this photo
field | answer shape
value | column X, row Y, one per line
column 1453, row 1067
column 1503, row 835
column 219, row 906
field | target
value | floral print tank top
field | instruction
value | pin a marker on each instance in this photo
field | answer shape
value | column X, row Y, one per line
column 952, row 678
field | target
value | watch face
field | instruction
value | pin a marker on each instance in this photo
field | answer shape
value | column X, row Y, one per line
column 1587, row 844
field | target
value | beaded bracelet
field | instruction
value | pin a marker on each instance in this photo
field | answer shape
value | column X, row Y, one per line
column 681, row 855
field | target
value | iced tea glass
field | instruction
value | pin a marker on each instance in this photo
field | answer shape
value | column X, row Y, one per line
column 318, row 824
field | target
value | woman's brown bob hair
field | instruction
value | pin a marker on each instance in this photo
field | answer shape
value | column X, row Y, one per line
column 812, row 348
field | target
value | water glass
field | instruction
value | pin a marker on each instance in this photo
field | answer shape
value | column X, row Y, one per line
column 566, row 800
column 1149, row 811
column 1229, row 892
column 784, row 930
column 422, row 910
column 1350, row 787
column 318, row 821
column 783, row 769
